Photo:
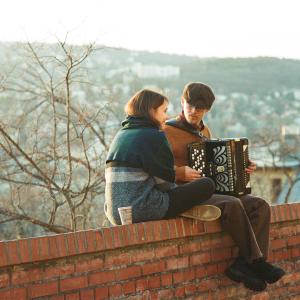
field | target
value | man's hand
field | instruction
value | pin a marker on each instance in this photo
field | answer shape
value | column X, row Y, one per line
column 186, row 173
column 252, row 167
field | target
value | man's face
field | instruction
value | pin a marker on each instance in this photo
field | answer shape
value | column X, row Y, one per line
column 192, row 114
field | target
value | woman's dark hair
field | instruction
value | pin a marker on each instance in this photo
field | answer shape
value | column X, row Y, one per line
column 199, row 95
column 142, row 102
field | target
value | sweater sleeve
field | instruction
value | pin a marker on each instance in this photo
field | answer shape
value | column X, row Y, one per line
column 159, row 160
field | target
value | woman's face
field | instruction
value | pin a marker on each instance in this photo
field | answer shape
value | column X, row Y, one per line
column 160, row 114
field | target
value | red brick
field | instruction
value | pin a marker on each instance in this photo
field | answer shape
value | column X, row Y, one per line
column 18, row 293
column 125, row 235
column 156, row 231
column 165, row 294
column 187, row 226
column 190, row 247
column 58, row 271
column 81, row 241
column 166, row 279
column 211, row 227
column 165, row 231
column 142, row 255
column 101, row 293
column 190, row 289
column 25, row 250
column 91, row 242
column 179, row 227
column 115, row 290
column 74, row 296
column 177, row 263
column 166, row 251
column 155, row 267
column 57, row 297
column 71, row 244
column 211, row 243
column 43, row 289
column 128, row 287
column 44, row 248
column 178, row 277
column 294, row 240
column 207, row 285
column 197, row 227
column 200, row 272
column 117, row 236
column 132, row 234
column 73, row 283
column 141, row 236
column 261, row 296
column 295, row 252
column 277, row 244
column 87, row 294
column 4, row 280
column 89, row 265
column 179, row 292
column 61, row 244
column 102, row 277
column 212, row 269
column 154, row 282
column 141, row 285
column 3, row 257
column 13, row 252
column 293, row 277
column 118, row 259
column 199, row 259
column 130, row 272
column 281, row 255
column 53, row 249
column 172, row 229
column 19, row 277
column 108, row 238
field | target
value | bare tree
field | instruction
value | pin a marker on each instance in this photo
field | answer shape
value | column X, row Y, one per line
column 54, row 143
column 284, row 156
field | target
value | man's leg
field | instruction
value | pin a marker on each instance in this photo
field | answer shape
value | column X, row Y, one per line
column 259, row 213
column 234, row 220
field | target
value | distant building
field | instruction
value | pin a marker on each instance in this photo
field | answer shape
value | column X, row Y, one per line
column 152, row 71
column 278, row 168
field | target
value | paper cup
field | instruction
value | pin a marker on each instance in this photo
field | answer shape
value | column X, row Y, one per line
column 125, row 214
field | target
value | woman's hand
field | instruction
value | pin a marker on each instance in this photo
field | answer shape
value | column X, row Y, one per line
column 186, row 174
column 251, row 167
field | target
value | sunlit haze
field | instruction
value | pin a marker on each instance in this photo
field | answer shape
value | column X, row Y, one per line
column 214, row 28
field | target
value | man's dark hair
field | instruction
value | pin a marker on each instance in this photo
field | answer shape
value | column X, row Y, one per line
column 199, row 95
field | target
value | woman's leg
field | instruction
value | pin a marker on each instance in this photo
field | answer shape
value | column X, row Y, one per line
column 186, row 196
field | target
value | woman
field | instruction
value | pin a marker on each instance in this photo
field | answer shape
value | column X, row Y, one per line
column 140, row 167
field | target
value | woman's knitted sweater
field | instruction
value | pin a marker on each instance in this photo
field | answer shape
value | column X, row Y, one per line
column 139, row 172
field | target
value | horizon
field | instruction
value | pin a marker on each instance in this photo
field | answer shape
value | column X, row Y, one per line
column 154, row 51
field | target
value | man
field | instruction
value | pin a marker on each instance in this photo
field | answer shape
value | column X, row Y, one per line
column 246, row 219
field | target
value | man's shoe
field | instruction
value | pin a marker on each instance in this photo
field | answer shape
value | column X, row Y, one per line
column 239, row 271
column 266, row 271
column 203, row 212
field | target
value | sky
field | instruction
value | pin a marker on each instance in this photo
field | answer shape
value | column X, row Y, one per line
column 211, row 28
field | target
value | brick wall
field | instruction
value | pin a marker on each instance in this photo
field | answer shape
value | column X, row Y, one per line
column 171, row 259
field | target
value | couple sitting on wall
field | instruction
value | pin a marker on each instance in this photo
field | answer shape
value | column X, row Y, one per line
column 147, row 169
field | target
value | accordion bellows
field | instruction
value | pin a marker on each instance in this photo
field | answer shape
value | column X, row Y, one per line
column 223, row 160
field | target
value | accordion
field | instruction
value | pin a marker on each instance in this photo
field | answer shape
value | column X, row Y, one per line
column 224, row 161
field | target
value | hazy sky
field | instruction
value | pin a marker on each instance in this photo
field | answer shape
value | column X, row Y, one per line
column 194, row 27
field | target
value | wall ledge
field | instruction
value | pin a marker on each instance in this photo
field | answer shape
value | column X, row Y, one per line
column 45, row 248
